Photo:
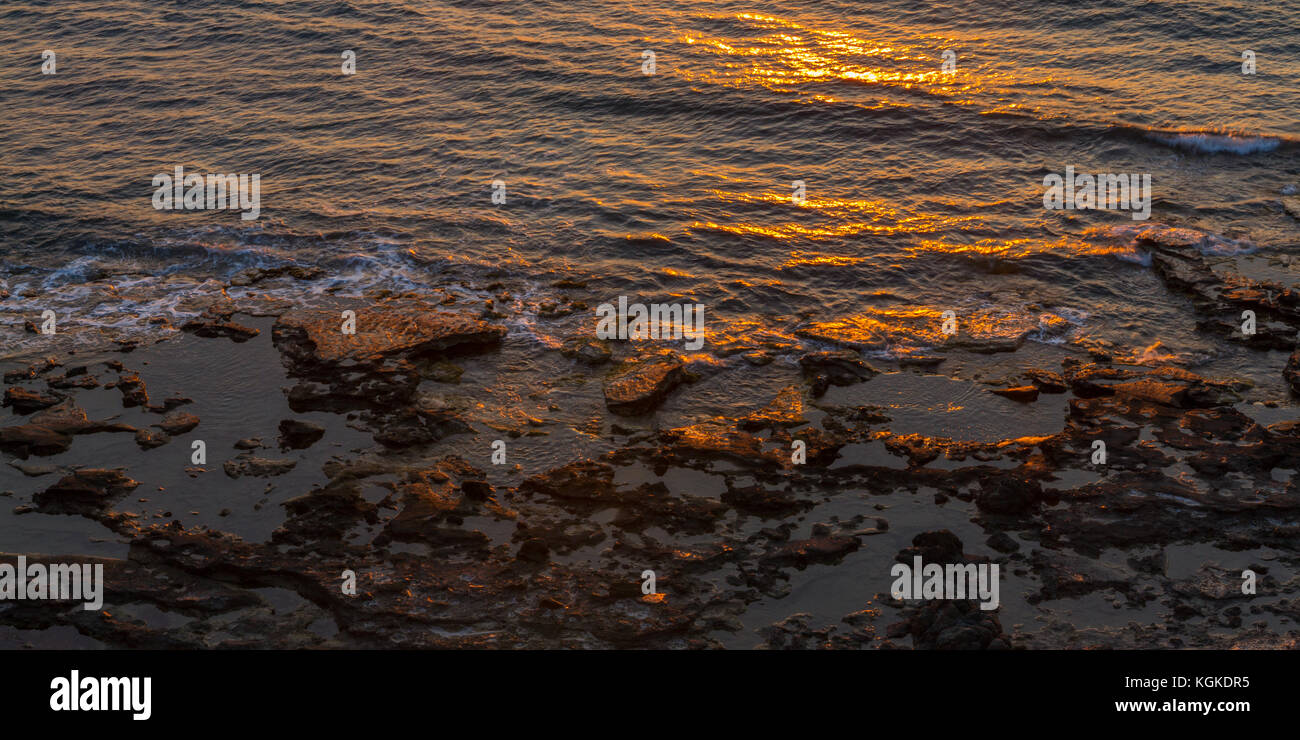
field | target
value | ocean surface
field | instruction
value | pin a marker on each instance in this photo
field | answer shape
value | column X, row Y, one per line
column 923, row 189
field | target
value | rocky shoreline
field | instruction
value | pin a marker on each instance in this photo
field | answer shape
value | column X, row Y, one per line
column 451, row 550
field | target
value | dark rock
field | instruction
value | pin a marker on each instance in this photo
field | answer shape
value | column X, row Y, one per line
column 148, row 439
column 375, row 367
column 586, row 349
column 25, row 401
column 85, row 491
column 212, row 326
column 33, row 439
column 297, row 435
column 1047, row 381
column 584, row 480
column 1008, row 495
column 1002, row 542
column 813, row 550
column 177, row 423
column 534, row 551
column 134, row 392
column 418, row 426
column 837, row 367
column 251, row 275
column 259, row 467
column 1292, row 371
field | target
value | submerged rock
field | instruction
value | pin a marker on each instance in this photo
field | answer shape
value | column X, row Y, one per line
column 260, row 467
column 178, row 422
column 825, row 549
column 586, row 349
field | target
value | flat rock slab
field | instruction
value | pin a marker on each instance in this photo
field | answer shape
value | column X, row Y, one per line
column 178, row 422
column 86, row 490
column 382, row 330
column 260, row 467
column 641, row 386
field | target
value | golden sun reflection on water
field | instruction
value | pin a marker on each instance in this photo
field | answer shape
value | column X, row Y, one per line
column 793, row 55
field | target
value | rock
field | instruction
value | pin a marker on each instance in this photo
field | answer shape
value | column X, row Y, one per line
column 955, row 625
column 838, row 367
column 1008, row 495
column 397, row 328
column 24, row 401
column 32, row 470
column 586, row 349
column 249, row 443
column 934, row 546
column 638, row 387
column 1178, row 394
column 33, row 439
column 134, row 392
column 148, row 439
column 441, row 371
column 175, row 402
column 213, row 326
column 50, row 431
column 73, row 379
column 1023, row 394
column 718, row 438
column 784, row 410
column 85, row 491
column 298, row 435
column 1002, row 542
column 417, row 426
column 375, row 367
column 583, row 480
column 432, row 507
column 251, row 275
column 177, row 423
column 1047, row 381
column 1292, row 206
column 764, row 501
column 534, row 551
column 814, row 550
column 259, row 467
column 1292, row 371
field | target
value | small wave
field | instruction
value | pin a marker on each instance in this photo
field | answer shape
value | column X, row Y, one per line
column 1205, row 242
column 1209, row 143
